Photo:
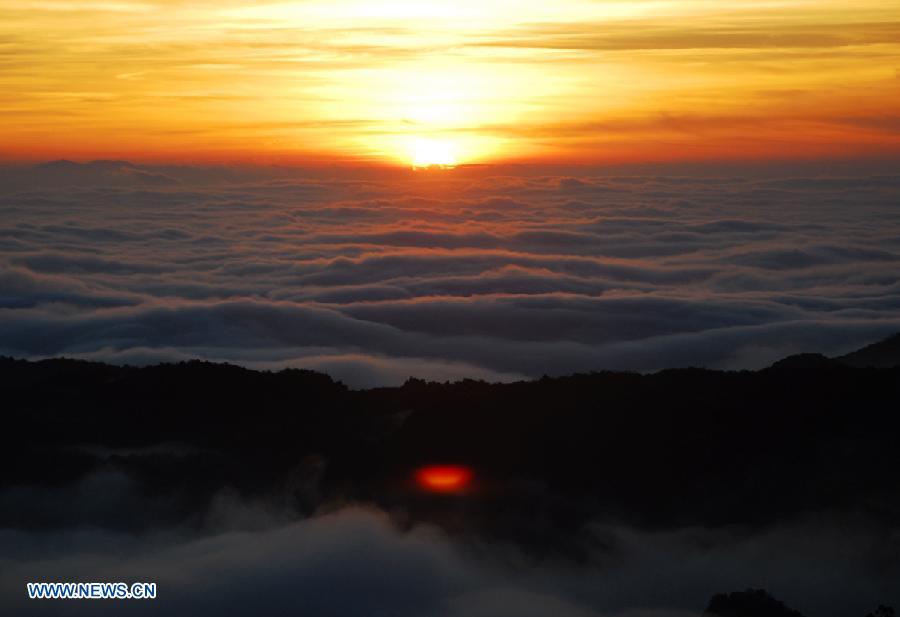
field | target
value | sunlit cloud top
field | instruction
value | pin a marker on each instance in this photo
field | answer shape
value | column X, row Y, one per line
column 485, row 80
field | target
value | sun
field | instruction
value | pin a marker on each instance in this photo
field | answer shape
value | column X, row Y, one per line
column 429, row 153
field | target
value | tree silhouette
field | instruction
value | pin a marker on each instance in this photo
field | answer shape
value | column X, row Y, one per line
column 883, row 611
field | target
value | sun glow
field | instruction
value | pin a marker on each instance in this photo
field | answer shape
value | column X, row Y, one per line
column 440, row 83
column 430, row 153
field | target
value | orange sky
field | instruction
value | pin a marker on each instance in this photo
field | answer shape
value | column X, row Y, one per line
column 469, row 81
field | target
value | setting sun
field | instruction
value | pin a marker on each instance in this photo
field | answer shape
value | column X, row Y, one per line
column 427, row 153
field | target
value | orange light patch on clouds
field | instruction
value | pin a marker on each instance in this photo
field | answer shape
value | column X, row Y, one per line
column 443, row 478
column 488, row 80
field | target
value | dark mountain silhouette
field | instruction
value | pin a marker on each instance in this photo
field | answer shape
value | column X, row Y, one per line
column 759, row 603
column 883, row 354
column 806, row 361
column 676, row 448
column 750, row 603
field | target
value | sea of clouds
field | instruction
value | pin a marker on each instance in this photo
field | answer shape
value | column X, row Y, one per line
column 489, row 273
column 256, row 559
column 498, row 274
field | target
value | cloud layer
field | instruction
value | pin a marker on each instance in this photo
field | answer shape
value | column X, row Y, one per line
column 355, row 562
column 471, row 273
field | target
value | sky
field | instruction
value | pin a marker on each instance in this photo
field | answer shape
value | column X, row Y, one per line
column 468, row 81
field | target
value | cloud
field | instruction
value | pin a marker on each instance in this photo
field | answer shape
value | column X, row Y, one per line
column 735, row 35
column 355, row 561
column 480, row 272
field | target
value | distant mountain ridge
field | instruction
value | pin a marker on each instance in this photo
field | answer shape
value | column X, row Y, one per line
column 64, row 173
column 882, row 354
column 679, row 447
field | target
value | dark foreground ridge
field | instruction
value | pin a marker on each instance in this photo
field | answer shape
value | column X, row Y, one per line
column 680, row 447
column 758, row 603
